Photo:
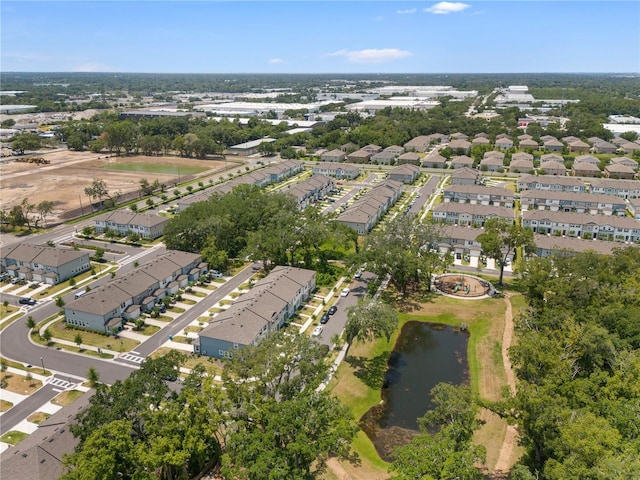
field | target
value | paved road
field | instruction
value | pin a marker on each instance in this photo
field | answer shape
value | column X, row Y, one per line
column 425, row 194
column 338, row 320
column 155, row 341
column 30, row 404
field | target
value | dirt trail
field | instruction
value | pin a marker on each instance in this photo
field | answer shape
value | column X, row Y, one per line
column 505, row 460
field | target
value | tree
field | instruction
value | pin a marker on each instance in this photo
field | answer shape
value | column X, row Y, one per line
column 98, row 255
column 279, row 423
column 44, row 208
column 78, row 339
column 27, row 208
column 93, row 376
column 46, row 336
column 17, row 218
column 406, row 251
column 25, row 141
column 370, row 319
column 60, row 301
column 141, row 429
column 98, row 189
column 31, row 323
column 449, row 453
column 501, row 238
column 3, row 368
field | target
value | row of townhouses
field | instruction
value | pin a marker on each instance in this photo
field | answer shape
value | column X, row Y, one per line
column 626, row 189
column 462, row 241
column 365, row 212
column 269, row 175
column 310, row 190
column 123, row 222
column 126, row 297
column 606, row 227
column 263, row 309
column 49, row 265
column 593, row 203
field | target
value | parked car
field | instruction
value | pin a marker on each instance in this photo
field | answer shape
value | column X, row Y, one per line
column 27, row 301
column 333, row 310
column 325, row 318
column 216, row 274
column 317, row 331
column 358, row 273
column 345, row 292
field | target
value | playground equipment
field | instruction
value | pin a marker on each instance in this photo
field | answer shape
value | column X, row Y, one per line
column 463, row 286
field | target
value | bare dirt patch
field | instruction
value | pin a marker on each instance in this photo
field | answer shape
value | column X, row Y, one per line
column 63, row 181
column 21, row 384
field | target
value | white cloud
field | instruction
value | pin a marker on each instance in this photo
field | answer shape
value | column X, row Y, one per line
column 275, row 61
column 371, row 55
column 411, row 11
column 443, row 8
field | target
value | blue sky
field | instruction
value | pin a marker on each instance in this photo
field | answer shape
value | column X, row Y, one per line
column 320, row 37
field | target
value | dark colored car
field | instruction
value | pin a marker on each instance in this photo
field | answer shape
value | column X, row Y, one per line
column 325, row 318
column 333, row 310
column 27, row 301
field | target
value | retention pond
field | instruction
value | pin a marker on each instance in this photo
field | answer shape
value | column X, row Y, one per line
column 425, row 354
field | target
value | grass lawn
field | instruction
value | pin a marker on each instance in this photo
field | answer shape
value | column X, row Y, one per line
column 6, row 311
column 174, row 309
column 195, row 293
column 59, row 330
column 13, row 437
column 235, row 294
column 188, row 301
column 224, row 302
column 8, row 322
column 148, row 330
column 38, row 417
column 67, row 397
column 4, row 405
column 192, row 328
column 160, row 168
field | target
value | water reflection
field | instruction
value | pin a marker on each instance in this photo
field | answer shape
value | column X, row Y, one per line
column 424, row 355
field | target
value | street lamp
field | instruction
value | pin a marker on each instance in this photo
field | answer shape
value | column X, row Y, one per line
column 42, row 362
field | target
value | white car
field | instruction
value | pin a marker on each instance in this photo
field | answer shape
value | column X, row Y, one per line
column 317, row 331
column 345, row 292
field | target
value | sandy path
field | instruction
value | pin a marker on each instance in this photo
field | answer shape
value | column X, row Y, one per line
column 505, row 460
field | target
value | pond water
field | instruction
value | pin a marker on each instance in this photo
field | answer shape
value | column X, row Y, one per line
column 424, row 355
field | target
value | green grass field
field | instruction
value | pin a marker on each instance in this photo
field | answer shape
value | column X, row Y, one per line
column 160, row 168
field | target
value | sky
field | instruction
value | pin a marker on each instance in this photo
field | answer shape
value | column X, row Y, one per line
column 332, row 36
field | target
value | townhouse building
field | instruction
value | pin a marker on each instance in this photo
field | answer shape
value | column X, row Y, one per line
column 254, row 315
column 106, row 308
column 479, row 194
column 470, row 214
column 627, row 189
column 49, row 265
column 346, row 171
column 310, row 190
column 124, row 222
column 591, row 203
column 548, row 182
column 603, row 227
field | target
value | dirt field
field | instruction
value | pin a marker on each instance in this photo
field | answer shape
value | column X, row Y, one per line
column 63, row 181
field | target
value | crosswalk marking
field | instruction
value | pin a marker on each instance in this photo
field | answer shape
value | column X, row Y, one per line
column 63, row 384
column 131, row 358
